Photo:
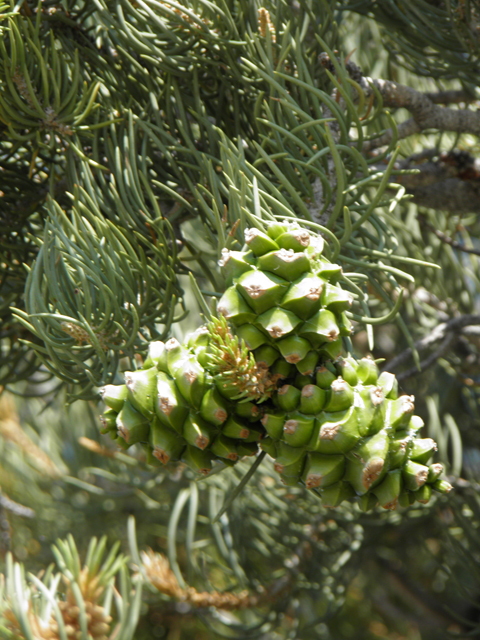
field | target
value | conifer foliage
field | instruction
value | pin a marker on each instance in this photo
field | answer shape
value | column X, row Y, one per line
column 244, row 235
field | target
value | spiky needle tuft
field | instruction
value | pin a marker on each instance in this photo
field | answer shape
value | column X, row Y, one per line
column 234, row 367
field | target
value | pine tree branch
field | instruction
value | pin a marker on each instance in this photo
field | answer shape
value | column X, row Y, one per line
column 446, row 332
column 455, row 196
column 317, row 186
column 450, row 97
column 451, row 182
column 426, row 114
column 404, row 130
column 441, row 236
column 431, row 360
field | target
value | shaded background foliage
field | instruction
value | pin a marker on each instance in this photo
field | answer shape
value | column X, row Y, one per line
column 137, row 139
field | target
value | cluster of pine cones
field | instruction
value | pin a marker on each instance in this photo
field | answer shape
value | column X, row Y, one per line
column 269, row 374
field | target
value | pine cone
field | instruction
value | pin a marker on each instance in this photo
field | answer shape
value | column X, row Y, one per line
column 269, row 373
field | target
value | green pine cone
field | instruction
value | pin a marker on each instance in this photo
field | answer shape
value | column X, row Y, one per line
column 269, row 374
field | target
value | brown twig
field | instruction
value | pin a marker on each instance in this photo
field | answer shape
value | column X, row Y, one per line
column 160, row 575
column 447, row 332
column 426, row 114
column 428, row 362
column 415, row 158
column 445, row 181
column 450, row 97
column 441, row 236
column 404, row 130
column 156, row 568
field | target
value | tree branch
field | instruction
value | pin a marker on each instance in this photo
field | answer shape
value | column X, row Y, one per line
column 426, row 114
column 319, row 197
column 454, row 196
column 428, row 362
column 447, row 182
column 453, row 243
column 447, row 332
column 451, row 183
column 450, row 97
column 404, row 129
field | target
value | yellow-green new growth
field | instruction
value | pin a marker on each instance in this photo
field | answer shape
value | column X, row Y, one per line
column 233, row 366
